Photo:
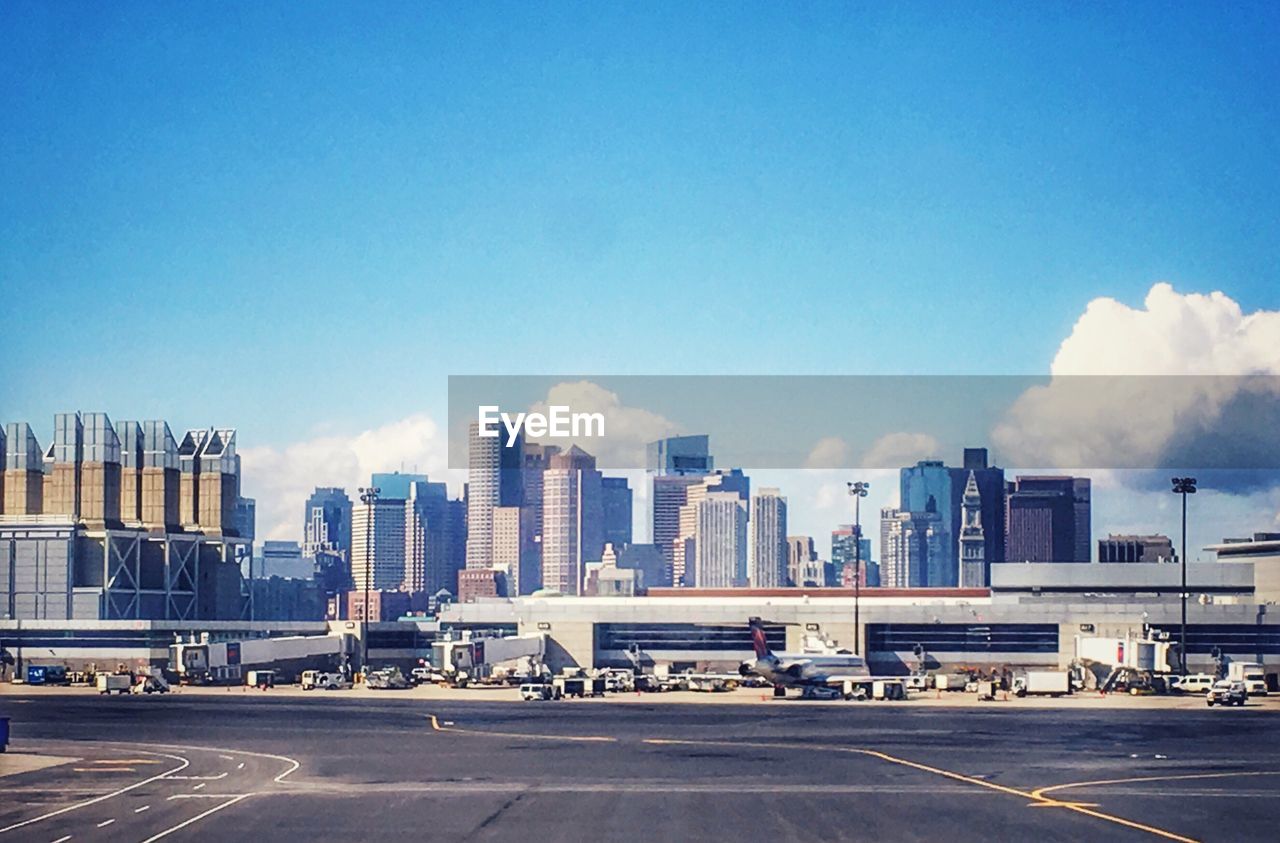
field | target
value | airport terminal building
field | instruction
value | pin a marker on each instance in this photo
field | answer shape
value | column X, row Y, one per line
column 1031, row 616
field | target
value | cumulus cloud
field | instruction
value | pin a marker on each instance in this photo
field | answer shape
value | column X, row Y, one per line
column 628, row 430
column 1186, row 380
column 281, row 479
column 897, row 449
column 828, row 452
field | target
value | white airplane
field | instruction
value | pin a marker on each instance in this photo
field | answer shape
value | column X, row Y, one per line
column 842, row 671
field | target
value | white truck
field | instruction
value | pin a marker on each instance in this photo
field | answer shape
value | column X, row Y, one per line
column 1251, row 674
column 227, row 661
column 329, row 680
column 1053, row 683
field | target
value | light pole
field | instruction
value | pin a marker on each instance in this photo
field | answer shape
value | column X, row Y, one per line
column 858, row 490
column 1184, row 486
column 368, row 497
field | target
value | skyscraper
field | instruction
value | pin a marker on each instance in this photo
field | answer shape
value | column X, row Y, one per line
column 683, row 547
column 804, row 568
column 572, row 519
column 675, row 464
column 1048, row 519
column 495, row 478
column 426, row 537
column 767, row 567
column 377, row 544
column 617, row 511
column 844, row 555
column 327, row 522
column 931, row 486
column 515, row 549
column 909, row 541
column 720, row 540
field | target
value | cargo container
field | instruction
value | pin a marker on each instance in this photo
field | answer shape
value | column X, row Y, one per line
column 1051, row 682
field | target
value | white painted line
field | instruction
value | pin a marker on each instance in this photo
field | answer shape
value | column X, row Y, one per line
column 63, row 839
column 240, row 766
column 209, row 795
column 105, row 796
column 199, row 786
column 199, row 778
column 196, row 818
column 226, row 758
column 143, row 808
column 105, row 823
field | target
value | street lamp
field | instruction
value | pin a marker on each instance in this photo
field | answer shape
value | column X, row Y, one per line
column 858, row 490
column 1184, row 486
column 368, row 497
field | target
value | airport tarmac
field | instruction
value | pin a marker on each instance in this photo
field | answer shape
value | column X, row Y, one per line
column 234, row 765
column 1090, row 700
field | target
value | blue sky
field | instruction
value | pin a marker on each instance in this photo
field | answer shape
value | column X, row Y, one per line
column 299, row 219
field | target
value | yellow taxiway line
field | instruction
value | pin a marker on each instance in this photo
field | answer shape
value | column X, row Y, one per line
column 1037, row 797
column 1038, row 792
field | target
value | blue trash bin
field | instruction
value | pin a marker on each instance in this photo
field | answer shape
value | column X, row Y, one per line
column 4, row 733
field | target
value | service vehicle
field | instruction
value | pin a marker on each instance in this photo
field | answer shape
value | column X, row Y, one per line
column 1227, row 692
column 386, row 679
column 329, row 680
column 1251, row 674
column 537, row 691
column 47, row 674
column 1192, row 683
column 117, row 683
column 261, row 679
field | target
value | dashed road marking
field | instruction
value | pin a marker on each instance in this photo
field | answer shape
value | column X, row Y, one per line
column 105, row 823
column 63, row 839
column 143, row 808
column 199, row 786
column 105, row 796
column 196, row 818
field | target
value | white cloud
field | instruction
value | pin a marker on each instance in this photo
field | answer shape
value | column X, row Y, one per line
column 898, row 449
column 281, row 480
column 628, row 430
column 1149, row 420
column 829, row 452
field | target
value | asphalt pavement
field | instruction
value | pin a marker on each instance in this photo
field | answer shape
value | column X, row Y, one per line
column 332, row 767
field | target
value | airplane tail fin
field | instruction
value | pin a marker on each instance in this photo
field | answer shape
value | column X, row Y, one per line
column 758, row 641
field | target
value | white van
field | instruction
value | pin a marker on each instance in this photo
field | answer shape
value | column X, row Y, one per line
column 1192, row 683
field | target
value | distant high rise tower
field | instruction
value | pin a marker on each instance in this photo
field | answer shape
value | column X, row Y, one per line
column 377, row 544
column 720, row 540
column 494, row 479
column 683, row 548
column 326, row 525
column 768, row 547
column 908, row 543
column 1048, row 519
column 973, row 566
column 572, row 520
column 515, row 549
column 426, row 538
column 675, row 464
column 617, row 511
